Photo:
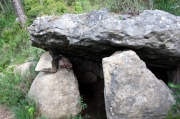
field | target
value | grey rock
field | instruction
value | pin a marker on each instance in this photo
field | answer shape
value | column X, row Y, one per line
column 64, row 63
column 25, row 68
column 132, row 91
column 46, row 63
column 56, row 94
column 153, row 35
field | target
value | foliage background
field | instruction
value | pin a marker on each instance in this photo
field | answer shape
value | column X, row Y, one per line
column 16, row 49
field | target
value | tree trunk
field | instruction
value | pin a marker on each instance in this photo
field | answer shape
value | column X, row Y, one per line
column 2, row 7
column 18, row 9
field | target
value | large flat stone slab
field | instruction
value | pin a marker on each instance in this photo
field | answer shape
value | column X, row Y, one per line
column 153, row 34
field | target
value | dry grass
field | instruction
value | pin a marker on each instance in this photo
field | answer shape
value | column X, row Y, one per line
column 5, row 113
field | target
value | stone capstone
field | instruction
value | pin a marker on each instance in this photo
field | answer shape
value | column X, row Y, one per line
column 56, row 94
column 153, row 34
column 132, row 91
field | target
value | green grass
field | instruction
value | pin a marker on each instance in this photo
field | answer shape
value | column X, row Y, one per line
column 13, row 93
column 21, row 110
column 6, row 20
column 15, row 47
column 14, row 87
column 175, row 109
column 171, row 6
column 9, row 92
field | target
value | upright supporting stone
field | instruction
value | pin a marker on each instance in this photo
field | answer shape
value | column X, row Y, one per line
column 56, row 94
column 132, row 91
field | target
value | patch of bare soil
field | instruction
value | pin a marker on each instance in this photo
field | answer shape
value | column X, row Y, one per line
column 5, row 113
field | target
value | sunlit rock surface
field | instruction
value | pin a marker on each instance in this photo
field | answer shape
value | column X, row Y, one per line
column 153, row 34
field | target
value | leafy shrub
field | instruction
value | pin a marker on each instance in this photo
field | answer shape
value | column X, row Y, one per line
column 86, row 6
column 175, row 110
column 13, row 87
column 78, row 7
column 135, row 6
column 171, row 6
column 70, row 2
column 35, row 8
column 128, row 6
column 84, row 106
column 15, row 46
column 13, row 93
column 11, row 40
column 6, row 20
column 13, row 35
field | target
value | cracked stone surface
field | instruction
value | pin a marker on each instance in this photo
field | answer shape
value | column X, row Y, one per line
column 153, row 35
column 132, row 91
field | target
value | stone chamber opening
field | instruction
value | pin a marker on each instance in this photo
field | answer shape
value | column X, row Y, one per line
column 93, row 96
column 91, row 86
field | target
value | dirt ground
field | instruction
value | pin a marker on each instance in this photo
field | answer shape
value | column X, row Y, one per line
column 5, row 114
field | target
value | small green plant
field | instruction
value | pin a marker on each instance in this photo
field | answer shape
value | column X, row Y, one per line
column 25, row 109
column 31, row 111
column 84, row 106
column 174, row 112
column 79, row 116
column 120, row 18
column 81, row 102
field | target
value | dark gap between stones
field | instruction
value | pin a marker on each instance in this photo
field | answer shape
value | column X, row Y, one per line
column 160, row 73
column 92, row 91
